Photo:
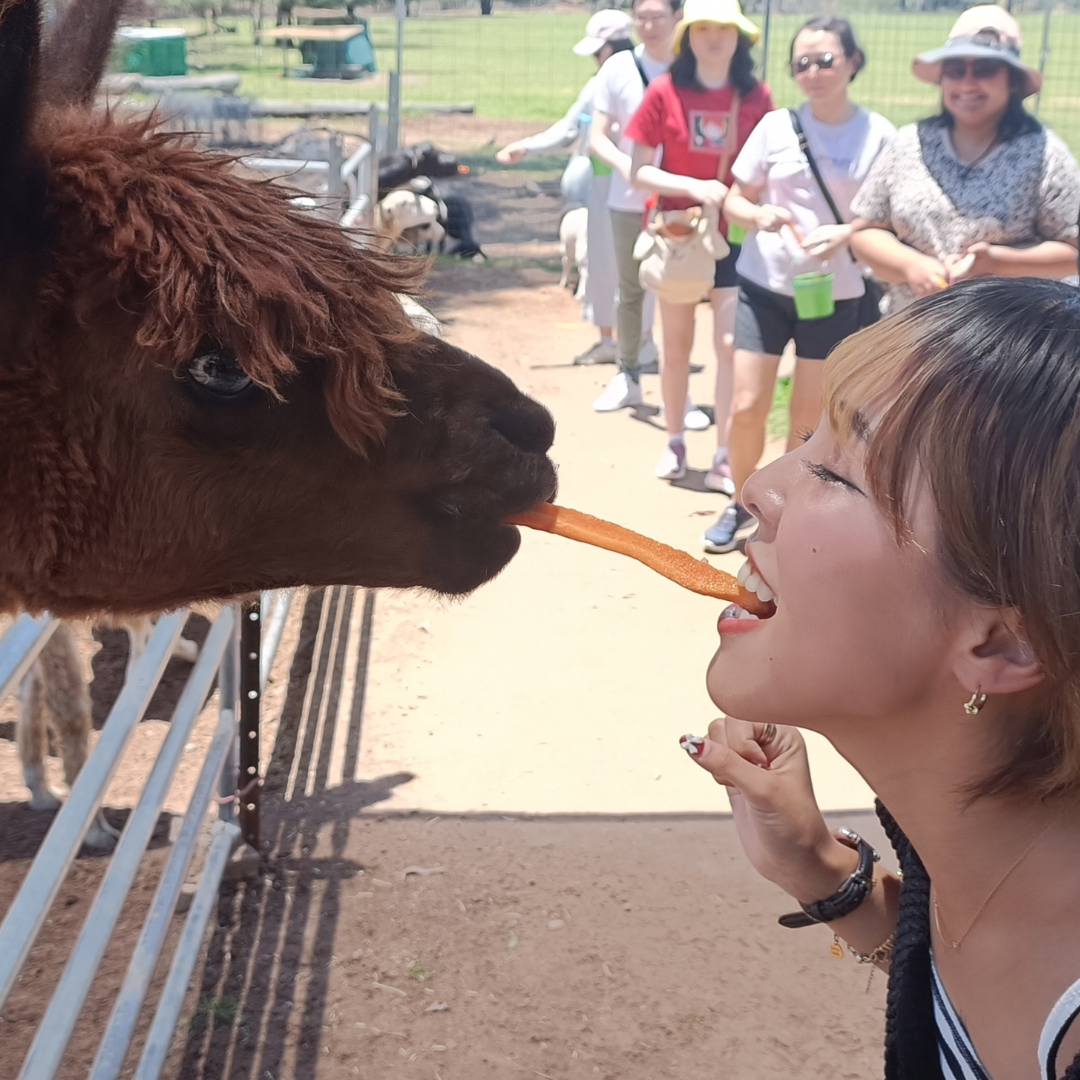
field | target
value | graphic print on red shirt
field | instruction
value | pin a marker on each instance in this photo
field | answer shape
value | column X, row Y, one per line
column 692, row 127
column 708, row 130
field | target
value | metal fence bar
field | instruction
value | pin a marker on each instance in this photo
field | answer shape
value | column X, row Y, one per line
column 226, row 835
column 125, row 1014
column 19, row 648
column 273, row 627
column 39, row 888
column 228, row 693
column 47, row 1049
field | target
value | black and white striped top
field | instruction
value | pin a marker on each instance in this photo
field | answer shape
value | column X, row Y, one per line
column 959, row 1060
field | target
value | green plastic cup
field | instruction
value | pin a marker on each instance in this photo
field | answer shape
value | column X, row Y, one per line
column 813, row 296
column 736, row 234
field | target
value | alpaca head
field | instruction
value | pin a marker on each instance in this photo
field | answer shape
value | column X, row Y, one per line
column 206, row 391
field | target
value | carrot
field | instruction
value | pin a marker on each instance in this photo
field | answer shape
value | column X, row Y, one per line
column 679, row 566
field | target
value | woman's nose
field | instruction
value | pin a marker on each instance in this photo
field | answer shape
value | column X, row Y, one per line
column 763, row 493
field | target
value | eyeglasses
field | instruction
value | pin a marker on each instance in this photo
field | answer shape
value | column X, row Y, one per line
column 958, row 68
column 802, row 64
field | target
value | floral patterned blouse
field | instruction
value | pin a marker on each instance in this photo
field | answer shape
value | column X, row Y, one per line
column 1024, row 191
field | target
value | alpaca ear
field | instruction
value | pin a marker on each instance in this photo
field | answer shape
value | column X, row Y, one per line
column 74, row 56
column 20, row 23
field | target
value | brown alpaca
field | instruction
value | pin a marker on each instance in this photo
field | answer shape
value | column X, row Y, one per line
column 206, row 392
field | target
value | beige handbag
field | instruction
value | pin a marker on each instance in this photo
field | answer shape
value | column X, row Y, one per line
column 678, row 249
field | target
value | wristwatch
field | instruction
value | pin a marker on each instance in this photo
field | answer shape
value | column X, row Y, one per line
column 848, row 897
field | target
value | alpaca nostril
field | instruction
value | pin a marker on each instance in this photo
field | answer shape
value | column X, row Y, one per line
column 525, row 424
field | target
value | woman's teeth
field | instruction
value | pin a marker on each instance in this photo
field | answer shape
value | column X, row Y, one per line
column 733, row 611
column 751, row 581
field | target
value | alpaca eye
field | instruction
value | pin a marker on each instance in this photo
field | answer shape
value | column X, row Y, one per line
column 220, row 373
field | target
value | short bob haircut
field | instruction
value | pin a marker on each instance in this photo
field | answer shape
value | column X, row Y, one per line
column 977, row 389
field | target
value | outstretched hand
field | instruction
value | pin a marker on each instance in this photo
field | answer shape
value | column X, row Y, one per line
column 765, row 769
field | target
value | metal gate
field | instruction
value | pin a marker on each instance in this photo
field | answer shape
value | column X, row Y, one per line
column 238, row 652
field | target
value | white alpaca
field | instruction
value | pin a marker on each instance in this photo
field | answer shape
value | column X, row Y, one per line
column 573, row 236
column 54, row 693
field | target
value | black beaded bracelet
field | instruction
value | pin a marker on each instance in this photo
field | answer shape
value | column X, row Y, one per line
column 848, row 897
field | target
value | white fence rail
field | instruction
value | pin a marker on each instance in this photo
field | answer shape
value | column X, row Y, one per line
column 229, row 767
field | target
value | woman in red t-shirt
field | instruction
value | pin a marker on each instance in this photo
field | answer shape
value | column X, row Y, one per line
column 689, row 113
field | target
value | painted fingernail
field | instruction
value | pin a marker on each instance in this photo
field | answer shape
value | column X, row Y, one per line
column 692, row 744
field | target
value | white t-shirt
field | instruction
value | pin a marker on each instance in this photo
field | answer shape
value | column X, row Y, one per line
column 619, row 91
column 771, row 158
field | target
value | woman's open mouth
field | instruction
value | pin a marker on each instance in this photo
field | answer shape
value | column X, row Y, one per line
column 737, row 620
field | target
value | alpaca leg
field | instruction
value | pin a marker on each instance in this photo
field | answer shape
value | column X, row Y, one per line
column 68, row 699
column 138, row 633
column 32, row 739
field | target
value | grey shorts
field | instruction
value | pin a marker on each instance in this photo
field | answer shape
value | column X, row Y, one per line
column 766, row 321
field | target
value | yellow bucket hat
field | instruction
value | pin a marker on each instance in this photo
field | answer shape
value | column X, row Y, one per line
column 724, row 12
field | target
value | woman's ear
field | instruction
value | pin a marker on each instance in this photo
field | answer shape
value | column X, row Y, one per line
column 997, row 658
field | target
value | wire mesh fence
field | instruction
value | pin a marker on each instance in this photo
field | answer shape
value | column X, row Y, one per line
column 517, row 64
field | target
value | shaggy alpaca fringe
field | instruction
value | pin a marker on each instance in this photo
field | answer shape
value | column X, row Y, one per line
column 209, row 259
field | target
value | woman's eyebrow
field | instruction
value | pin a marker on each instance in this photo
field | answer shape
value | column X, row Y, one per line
column 860, row 426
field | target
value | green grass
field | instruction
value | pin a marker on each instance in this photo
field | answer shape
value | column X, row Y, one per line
column 518, row 64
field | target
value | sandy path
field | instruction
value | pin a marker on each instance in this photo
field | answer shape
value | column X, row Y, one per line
column 563, row 685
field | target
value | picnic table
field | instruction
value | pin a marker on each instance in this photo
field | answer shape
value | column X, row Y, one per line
column 342, row 51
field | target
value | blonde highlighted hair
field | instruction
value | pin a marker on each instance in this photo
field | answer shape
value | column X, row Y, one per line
column 978, row 390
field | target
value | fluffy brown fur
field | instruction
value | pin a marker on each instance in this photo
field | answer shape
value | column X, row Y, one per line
column 360, row 452
column 203, row 256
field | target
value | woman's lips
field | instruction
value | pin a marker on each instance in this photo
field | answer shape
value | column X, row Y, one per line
column 737, row 620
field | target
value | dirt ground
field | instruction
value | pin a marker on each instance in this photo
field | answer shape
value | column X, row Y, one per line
column 484, row 853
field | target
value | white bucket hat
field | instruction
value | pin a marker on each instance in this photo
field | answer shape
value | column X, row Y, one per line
column 602, row 29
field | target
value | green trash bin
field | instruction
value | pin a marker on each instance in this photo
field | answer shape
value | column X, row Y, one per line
column 150, row 50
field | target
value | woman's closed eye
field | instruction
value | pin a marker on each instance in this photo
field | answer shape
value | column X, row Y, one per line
column 827, row 476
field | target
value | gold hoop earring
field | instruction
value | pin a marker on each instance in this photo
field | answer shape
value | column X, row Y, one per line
column 973, row 706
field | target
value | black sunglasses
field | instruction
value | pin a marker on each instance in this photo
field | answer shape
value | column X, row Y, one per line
column 802, row 64
column 958, row 67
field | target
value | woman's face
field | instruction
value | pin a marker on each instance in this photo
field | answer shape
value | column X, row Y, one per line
column 975, row 92
column 714, row 45
column 862, row 624
column 811, row 52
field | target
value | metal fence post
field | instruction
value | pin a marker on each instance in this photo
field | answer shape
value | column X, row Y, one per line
column 1044, row 49
column 248, row 783
column 393, row 112
column 765, row 42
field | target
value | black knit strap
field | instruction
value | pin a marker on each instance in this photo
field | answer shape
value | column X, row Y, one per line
column 804, row 146
column 640, row 69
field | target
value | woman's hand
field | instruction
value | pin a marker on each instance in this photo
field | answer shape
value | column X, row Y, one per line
column 766, row 772
column 825, row 240
column 976, row 260
column 707, row 193
column 769, row 218
column 511, row 154
column 925, row 275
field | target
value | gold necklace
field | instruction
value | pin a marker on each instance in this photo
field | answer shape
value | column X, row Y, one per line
column 990, row 896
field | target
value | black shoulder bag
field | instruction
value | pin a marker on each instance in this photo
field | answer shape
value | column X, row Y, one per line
column 870, row 303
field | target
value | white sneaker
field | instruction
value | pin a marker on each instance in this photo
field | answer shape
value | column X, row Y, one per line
column 649, row 357
column 603, row 352
column 622, row 392
column 672, row 463
column 694, row 419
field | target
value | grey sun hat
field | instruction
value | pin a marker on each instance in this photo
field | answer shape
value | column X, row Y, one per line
column 984, row 32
